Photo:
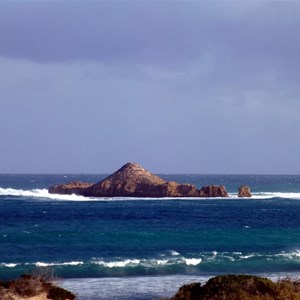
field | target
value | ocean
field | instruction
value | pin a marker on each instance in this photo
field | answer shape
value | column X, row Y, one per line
column 139, row 248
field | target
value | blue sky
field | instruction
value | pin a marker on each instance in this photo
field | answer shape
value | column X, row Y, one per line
column 177, row 86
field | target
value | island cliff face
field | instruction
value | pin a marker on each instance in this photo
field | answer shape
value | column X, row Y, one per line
column 134, row 181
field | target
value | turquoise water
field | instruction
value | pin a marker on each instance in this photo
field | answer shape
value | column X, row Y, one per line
column 88, row 240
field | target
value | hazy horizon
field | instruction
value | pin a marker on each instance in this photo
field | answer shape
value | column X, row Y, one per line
column 156, row 173
column 180, row 87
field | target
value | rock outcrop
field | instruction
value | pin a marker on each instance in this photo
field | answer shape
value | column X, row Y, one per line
column 134, row 181
column 244, row 191
column 240, row 287
column 32, row 288
column 213, row 191
column 73, row 187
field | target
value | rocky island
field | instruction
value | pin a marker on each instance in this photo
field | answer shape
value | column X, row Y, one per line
column 132, row 180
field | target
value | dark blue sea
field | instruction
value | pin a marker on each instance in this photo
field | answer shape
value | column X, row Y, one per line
column 130, row 248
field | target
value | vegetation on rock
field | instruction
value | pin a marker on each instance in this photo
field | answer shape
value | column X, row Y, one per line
column 29, row 286
column 240, row 287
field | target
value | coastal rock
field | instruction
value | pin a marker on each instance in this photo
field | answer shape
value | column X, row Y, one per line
column 73, row 187
column 33, row 288
column 173, row 189
column 132, row 180
column 244, row 191
column 213, row 191
column 237, row 287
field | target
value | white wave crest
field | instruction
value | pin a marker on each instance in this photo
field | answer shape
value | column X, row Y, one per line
column 269, row 195
column 71, row 263
column 193, row 261
column 289, row 255
column 42, row 194
column 161, row 262
column 8, row 265
column 41, row 264
column 247, row 256
column 179, row 260
column 148, row 263
column 293, row 255
column 118, row 264
column 281, row 195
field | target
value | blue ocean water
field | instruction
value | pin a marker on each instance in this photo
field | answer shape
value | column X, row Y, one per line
column 134, row 248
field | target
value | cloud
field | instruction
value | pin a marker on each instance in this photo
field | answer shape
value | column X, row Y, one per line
column 152, row 32
column 179, row 86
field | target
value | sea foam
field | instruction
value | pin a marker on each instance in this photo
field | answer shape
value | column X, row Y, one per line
column 269, row 195
column 69, row 263
column 44, row 194
column 8, row 265
column 118, row 264
column 193, row 261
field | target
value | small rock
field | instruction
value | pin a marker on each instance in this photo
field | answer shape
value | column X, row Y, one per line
column 244, row 191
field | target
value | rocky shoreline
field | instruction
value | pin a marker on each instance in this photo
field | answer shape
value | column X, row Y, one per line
column 132, row 180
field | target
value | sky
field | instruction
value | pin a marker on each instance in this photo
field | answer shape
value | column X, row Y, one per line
column 176, row 86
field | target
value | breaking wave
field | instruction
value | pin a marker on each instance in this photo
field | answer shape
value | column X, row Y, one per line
column 41, row 194
column 71, row 263
column 177, row 259
column 148, row 263
column 121, row 263
column 270, row 195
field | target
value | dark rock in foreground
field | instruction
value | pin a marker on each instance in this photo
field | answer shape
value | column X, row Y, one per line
column 134, row 181
column 240, row 287
column 244, row 191
column 32, row 287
